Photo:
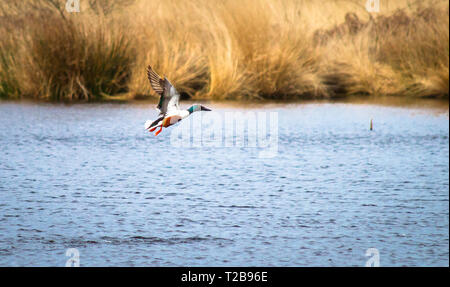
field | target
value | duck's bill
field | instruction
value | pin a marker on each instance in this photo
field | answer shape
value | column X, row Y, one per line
column 205, row 109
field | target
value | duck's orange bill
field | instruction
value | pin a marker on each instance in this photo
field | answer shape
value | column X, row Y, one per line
column 157, row 133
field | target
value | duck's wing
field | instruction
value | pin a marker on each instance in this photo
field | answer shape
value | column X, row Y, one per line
column 169, row 97
column 174, row 98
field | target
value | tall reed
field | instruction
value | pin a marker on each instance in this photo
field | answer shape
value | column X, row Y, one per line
column 73, row 62
column 65, row 58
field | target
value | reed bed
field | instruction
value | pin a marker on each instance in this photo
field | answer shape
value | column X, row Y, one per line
column 224, row 50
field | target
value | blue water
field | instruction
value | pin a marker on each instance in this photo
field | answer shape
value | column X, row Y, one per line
column 89, row 177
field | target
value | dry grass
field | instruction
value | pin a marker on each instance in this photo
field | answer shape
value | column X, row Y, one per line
column 60, row 57
column 421, row 58
column 9, row 84
column 225, row 50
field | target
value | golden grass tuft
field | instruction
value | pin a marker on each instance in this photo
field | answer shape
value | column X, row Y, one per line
column 9, row 83
column 418, row 51
column 62, row 57
column 70, row 61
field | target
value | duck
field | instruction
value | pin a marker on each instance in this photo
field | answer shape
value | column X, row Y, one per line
column 168, row 106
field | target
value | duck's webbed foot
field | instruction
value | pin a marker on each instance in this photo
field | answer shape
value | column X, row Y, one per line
column 158, row 131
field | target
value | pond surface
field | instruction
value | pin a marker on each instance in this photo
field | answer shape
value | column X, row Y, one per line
column 90, row 177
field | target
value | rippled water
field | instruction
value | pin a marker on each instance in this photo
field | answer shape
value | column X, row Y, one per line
column 89, row 177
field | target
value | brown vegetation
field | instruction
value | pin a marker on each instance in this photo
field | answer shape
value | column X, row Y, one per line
column 226, row 50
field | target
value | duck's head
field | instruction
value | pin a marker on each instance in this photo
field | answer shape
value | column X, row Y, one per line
column 197, row 108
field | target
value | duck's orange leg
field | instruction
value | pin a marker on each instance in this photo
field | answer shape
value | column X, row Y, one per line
column 152, row 129
column 157, row 132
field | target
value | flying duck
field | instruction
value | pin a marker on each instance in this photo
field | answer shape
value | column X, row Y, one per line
column 170, row 112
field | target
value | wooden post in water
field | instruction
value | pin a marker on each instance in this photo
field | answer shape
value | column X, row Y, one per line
column 371, row 124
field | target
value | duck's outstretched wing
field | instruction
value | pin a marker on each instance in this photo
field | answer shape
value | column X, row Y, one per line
column 169, row 97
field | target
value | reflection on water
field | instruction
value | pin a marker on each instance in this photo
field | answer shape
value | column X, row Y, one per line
column 89, row 177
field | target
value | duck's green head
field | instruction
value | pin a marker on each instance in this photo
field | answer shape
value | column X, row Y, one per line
column 197, row 108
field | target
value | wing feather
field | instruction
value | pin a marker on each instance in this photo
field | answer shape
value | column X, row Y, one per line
column 169, row 97
column 155, row 81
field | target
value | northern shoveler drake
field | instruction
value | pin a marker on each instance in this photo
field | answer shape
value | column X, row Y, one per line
column 170, row 112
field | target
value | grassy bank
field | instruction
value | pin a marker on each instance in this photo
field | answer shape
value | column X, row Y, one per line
column 224, row 50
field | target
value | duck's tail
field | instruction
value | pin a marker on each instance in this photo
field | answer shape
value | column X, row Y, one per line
column 148, row 124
